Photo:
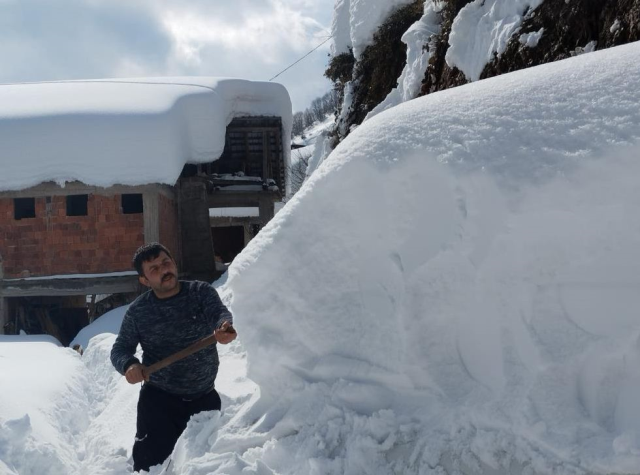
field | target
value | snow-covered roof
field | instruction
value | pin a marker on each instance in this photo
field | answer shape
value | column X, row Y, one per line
column 124, row 131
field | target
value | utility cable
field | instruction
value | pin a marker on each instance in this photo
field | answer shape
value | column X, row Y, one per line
column 284, row 70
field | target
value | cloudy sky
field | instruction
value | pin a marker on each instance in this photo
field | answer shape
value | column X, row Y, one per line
column 43, row 40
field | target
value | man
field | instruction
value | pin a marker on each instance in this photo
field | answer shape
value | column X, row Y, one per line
column 169, row 317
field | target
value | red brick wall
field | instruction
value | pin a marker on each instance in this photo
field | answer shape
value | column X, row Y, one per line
column 169, row 226
column 53, row 243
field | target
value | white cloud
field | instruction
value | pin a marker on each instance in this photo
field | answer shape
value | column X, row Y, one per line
column 255, row 39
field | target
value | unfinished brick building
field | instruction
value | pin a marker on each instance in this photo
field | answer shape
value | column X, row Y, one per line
column 66, row 245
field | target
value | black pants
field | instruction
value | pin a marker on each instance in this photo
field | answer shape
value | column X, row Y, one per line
column 162, row 417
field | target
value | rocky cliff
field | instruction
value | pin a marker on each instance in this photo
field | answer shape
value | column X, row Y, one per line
column 424, row 46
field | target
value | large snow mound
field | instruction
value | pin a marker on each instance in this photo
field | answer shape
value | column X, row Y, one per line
column 457, row 285
column 124, row 131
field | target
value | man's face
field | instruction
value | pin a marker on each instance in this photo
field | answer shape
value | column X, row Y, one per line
column 161, row 274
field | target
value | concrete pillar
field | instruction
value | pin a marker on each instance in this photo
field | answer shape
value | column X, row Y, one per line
column 4, row 305
column 197, row 243
column 4, row 314
column 267, row 210
column 248, row 234
column 151, row 215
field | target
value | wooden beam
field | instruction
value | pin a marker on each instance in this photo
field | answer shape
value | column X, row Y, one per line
column 226, row 182
column 250, row 129
column 241, row 199
column 71, row 286
column 226, row 221
column 267, row 210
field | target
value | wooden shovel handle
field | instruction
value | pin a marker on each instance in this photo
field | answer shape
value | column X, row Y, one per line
column 189, row 350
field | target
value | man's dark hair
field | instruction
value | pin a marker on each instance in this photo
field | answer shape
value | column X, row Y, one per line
column 147, row 253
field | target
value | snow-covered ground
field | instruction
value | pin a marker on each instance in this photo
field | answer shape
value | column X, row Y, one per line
column 308, row 138
column 454, row 290
column 316, row 143
column 70, row 415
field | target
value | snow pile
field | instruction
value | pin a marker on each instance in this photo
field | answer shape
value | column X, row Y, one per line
column 456, row 287
column 482, row 29
column 129, row 132
column 110, row 322
column 39, row 441
column 62, row 414
column 355, row 22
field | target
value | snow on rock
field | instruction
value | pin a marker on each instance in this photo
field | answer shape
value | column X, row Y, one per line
column 321, row 150
column 530, row 40
column 341, row 28
column 615, row 27
column 434, row 297
column 124, row 131
column 482, row 29
column 590, row 47
column 419, row 52
column 317, row 144
column 355, row 22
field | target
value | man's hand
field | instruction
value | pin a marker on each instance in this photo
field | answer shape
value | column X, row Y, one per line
column 135, row 375
column 226, row 333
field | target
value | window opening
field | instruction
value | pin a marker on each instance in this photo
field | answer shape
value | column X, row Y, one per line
column 132, row 203
column 77, row 205
column 24, row 208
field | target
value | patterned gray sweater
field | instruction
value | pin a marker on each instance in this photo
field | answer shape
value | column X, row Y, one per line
column 163, row 327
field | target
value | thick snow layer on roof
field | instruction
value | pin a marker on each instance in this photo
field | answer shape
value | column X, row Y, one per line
column 458, row 285
column 124, row 131
column 355, row 22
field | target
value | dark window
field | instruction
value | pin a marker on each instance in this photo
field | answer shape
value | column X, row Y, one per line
column 24, row 208
column 132, row 203
column 77, row 205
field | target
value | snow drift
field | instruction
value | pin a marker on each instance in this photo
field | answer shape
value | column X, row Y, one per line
column 125, row 131
column 456, row 286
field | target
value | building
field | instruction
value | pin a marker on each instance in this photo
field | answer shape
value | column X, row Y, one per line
column 91, row 170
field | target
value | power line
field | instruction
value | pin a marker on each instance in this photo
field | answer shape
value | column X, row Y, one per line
column 284, row 70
